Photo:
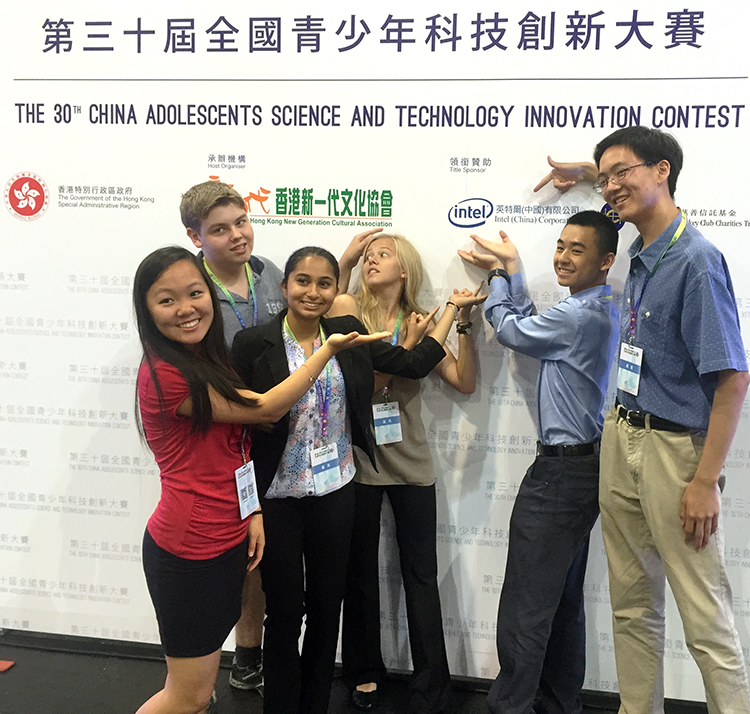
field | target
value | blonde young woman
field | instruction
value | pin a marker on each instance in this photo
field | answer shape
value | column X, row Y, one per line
column 390, row 281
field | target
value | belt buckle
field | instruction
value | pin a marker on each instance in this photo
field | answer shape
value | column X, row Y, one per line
column 628, row 420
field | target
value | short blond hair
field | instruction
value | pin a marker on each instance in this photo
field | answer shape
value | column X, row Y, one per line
column 198, row 201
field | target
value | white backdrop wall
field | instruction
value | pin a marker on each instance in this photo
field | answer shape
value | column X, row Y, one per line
column 330, row 118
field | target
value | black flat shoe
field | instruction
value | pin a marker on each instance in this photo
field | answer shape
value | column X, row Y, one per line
column 365, row 700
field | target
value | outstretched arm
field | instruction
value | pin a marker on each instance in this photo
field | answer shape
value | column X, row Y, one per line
column 422, row 359
column 566, row 175
column 496, row 255
column 461, row 371
column 277, row 401
column 502, row 255
column 457, row 301
column 346, row 304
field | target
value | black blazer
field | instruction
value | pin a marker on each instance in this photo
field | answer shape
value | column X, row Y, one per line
column 259, row 357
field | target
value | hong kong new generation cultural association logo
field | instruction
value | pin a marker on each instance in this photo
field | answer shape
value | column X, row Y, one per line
column 26, row 196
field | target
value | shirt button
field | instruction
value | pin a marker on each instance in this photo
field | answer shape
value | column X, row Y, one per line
column 648, row 314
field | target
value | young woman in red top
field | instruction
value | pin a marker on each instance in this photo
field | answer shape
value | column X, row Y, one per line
column 197, row 545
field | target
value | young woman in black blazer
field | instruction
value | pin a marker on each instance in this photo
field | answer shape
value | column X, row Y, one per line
column 304, row 470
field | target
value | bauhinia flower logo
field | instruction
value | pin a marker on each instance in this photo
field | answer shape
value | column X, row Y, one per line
column 26, row 196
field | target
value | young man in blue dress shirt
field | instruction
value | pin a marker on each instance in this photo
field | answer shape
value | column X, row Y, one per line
column 681, row 383
column 541, row 637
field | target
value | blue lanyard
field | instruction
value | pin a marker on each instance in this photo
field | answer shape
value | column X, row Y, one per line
column 634, row 309
column 397, row 329
column 229, row 297
column 324, row 402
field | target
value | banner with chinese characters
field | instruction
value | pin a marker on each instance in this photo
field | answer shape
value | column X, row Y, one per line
column 329, row 119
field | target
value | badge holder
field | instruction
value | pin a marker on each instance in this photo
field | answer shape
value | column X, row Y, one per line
column 386, row 419
column 629, row 371
column 247, row 490
column 325, row 468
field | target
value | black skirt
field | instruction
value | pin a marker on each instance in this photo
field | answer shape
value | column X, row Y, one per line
column 197, row 602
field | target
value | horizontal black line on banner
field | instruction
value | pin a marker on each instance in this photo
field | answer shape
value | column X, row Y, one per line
column 402, row 79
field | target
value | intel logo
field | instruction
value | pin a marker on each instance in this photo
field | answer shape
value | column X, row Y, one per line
column 470, row 213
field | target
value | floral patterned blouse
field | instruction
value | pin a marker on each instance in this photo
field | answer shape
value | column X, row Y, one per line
column 294, row 477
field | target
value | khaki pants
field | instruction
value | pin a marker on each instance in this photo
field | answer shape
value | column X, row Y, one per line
column 643, row 477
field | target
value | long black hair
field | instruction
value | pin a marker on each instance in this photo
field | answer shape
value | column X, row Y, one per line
column 210, row 366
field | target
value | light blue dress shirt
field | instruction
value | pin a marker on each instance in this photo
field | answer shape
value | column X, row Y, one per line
column 575, row 340
column 687, row 325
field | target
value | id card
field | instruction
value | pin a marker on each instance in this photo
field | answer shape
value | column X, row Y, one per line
column 629, row 372
column 387, row 421
column 325, row 468
column 247, row 491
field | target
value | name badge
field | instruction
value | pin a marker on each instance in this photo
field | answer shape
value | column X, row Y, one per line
column 629, row 372
column 387, row 421
column 325, row 468
column 247, row 491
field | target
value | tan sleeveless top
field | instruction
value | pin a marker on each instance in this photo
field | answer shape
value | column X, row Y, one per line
column 406, row 462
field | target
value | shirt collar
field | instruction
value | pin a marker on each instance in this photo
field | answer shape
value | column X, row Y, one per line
column 596, row 292
column 650, row 255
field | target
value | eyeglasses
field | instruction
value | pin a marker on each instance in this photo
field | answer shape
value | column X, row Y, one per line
column 617, row 177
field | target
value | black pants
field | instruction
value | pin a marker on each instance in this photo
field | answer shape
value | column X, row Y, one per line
column 414, row 511
column 541, row 635
column 304, row 574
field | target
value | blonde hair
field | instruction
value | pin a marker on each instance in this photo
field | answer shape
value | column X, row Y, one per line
column 411, row 264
